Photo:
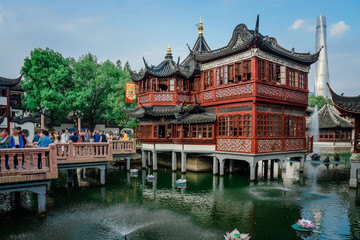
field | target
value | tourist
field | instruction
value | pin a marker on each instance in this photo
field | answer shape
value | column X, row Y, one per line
column 96, row 136
column 126, row 137
column 74, row 138
column 4, row 139
column 67, row 135
column 103, row 137
column 82, row 136
column 16, row 140
column 87, row 135
column 36, row 136
column 63, row 137
column 107, row 135
column 44, row 140
column 22, row 134
column 116, row 136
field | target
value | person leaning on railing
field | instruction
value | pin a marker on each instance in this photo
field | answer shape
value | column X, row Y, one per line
column 16, row 141
column 4, row 140
column 44, row 142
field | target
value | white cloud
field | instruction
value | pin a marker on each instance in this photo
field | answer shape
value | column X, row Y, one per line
column 299, row 23
column 338, row 29
column 312, row 28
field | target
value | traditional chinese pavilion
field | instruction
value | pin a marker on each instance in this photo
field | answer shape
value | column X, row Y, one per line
column 350, row 106
column 245, row 101
column 11, row 111
column 335, row 131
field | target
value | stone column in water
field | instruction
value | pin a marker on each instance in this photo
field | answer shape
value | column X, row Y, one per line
column 143, row 158
column 154, row 160
column 231, row 167
column 183, row 162
column 252, row 171
column 173, row 161
column 149, row 158
column 222, row 163
column 302, row 163
column 215, row 165
column 127, row 163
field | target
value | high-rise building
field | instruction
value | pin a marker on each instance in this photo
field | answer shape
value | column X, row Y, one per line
column 321, row 67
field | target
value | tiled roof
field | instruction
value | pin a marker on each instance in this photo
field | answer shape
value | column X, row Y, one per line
column 9, row 82
column 329, row 117
column 244, row 39
column 199, row 46
column 181, row 114
column 167, row 68
column 347, row 104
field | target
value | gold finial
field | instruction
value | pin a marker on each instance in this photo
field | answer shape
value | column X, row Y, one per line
column 168, row 50
column 201, row 28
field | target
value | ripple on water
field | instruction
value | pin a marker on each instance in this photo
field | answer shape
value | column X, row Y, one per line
column 113, row 222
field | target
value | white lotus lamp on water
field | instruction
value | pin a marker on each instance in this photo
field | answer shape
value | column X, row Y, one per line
column 134, row 170
column 236, row 235
column 181, row 181
column 304, row 223
column 150, row 177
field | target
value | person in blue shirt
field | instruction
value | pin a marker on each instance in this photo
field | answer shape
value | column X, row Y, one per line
column 74, row 138
column 36, row 137
column 44, row 140
column 103, row 137
column 16, row 140
column 96, row 136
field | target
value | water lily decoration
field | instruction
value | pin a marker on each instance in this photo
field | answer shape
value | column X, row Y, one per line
column 305, row 223
column 134, row 170
column 236, row 235
column 150, row 176
column 181, row 181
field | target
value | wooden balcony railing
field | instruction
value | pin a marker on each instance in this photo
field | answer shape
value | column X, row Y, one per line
column 28, row 164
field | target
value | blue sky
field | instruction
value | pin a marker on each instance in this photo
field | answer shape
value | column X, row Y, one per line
column 129, row 30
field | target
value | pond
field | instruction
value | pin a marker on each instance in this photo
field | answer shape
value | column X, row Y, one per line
column 207, row 208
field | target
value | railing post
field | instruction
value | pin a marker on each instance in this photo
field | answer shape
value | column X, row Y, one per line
column 110, row 149
column 71, row 150
column 52, row 158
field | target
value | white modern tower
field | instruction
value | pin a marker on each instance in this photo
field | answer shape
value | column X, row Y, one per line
column 321, row 68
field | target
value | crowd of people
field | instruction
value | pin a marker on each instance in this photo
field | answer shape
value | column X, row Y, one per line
column 44, row 138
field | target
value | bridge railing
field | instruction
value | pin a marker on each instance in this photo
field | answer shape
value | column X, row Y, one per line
column 28, row 164
column 73, row 151
column 123, row 146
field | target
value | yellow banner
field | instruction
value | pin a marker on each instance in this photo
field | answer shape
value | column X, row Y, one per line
column 130, row 93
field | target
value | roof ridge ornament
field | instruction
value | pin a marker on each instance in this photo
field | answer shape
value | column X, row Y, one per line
column 200, row 28
column 257, row 25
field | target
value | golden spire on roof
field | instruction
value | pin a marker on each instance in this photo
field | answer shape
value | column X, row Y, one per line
column 201, row 28
column 168, row 50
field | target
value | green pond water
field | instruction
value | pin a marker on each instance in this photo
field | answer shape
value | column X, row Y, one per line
column 207, row 208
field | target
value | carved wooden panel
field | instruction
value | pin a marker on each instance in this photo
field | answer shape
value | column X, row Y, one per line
column 144, row 98
column 234, row 145
column 208, row 95
column 294, row 144
column 163, row 98
column 294, row 96
column 233, row 91
column 270, row 91
column 269, row 145
column 182, row 98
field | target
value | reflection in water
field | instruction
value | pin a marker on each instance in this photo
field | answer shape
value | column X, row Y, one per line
column 209, row 206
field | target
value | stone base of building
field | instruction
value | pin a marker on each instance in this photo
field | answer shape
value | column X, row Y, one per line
column 193, row 163
column 331, row 147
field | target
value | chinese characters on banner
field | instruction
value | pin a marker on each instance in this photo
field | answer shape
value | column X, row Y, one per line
column 130, row 93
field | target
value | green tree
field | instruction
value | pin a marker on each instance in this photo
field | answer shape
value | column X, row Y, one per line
column 316, row 100
column 47, row 78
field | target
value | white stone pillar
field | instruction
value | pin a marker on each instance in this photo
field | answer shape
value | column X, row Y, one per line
column 42, row 201
column 252, row 172
column 154, row 160
column 149, row 158
column 302, row 163
column 231, row 167
column 183, row 162
column 222, row 163
column 173, row 161
column 173, row 179
column 143, row 158
column 127, row 163
column 355, row 166
column 215, row 165
column 102, row 175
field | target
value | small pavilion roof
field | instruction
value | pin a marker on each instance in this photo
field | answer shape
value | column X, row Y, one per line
column 346, row 104
column 10, row 81
column 329, row 117
column 244, row 39
column 166, row 68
